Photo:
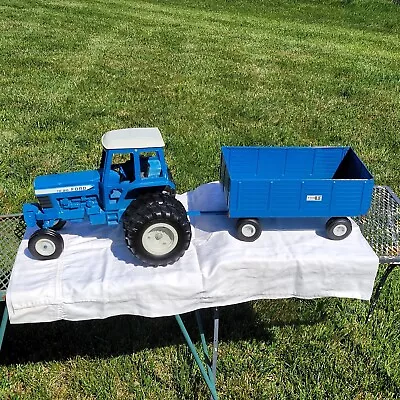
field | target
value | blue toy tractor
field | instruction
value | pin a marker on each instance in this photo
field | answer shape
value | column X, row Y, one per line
column 132, row 185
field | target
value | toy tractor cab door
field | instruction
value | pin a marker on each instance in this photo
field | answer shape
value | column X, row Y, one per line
column 126, row 172
column 124, row 165
column 118, row 176
column 132, row 163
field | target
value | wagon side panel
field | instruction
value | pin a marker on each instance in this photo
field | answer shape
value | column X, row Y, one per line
column 316, row 198
column 351, row 197
column 326, row 161
column 258, row 199
column 241, row 162
column 285, row 198
column 249, row 198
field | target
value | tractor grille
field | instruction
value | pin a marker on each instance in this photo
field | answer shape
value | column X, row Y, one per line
column 44, row 201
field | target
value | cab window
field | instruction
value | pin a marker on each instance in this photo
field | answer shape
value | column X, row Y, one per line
column 123, row 164
column 150, row 165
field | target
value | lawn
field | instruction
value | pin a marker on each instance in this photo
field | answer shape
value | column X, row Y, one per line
column 207, row 74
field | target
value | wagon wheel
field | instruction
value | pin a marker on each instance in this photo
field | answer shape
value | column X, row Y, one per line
column 248, row 229
column 338, row 228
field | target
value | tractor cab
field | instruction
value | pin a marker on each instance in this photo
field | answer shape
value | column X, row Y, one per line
column 132, row 162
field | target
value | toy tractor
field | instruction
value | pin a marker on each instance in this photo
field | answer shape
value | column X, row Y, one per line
column 132, row 185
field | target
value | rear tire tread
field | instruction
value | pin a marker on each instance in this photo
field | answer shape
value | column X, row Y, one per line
column 156, row 207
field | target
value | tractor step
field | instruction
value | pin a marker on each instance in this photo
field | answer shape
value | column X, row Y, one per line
column 112, row 219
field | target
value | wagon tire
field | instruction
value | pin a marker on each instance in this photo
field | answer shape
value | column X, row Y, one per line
column 157, row 230
column 248, row 229
column 338, row 228
column 46, row 244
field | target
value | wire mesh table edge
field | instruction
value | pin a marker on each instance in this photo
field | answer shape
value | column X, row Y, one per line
column 381, row 225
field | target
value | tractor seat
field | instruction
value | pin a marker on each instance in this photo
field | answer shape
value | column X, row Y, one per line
column 154, row 169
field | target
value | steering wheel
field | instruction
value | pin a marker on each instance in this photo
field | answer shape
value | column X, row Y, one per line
column 122, row 172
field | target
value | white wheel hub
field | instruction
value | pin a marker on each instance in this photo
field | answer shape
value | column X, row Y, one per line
column 160, row 239
column 248, row 230
column 45, row 247
column 339, row 230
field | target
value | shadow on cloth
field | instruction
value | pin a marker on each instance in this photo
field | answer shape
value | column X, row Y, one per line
column 210, row 198
column 125, row 334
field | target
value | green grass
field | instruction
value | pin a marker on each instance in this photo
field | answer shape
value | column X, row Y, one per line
column 207, row 74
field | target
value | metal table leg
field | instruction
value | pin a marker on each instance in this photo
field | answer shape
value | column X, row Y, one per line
column 208, row 372
column 378, row 289
column 3, row 325
column 215, row 343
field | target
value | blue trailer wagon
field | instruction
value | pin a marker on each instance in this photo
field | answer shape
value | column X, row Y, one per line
column 262, row 182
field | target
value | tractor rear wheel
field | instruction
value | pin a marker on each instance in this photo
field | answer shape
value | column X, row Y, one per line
column 154, row 198
column 157, row 230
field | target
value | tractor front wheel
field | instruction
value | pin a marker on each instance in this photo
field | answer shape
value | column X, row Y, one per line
column 58, row 224
column 157, row 231
column 46, row 244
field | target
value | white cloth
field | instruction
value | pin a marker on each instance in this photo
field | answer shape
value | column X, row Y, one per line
column 97, row 276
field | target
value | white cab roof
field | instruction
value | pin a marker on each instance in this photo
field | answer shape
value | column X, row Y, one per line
column 132, row 138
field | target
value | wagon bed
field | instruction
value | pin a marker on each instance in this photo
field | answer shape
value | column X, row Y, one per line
column 262, row 182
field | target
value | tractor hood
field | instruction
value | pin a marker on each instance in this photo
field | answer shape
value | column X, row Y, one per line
column 84, row 181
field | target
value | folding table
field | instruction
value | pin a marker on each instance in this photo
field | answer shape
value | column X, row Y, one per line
column 277, row 269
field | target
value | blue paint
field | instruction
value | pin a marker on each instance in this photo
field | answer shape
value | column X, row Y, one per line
column 258, row 182
column 261, row 182
column 100, row 196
